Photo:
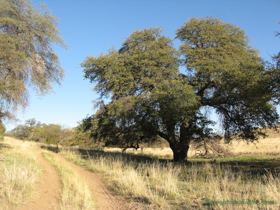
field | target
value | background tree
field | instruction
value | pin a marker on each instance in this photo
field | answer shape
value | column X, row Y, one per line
column 33, row 130
column 81, row 137
column 150, row 97
column 56, row 134
column 26, row 54
column 31, row 123
column 28, row 131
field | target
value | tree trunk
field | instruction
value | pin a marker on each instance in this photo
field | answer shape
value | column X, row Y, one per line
column 31, row 135
column 180, row 152
column 180, row 149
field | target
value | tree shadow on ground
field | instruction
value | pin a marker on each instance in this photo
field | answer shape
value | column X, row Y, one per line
column 257, row 166
column 251, row 166
column 3, row 146
column 95, row 153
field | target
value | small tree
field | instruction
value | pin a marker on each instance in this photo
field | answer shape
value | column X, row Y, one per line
column 56, row 134
column 28, row 131
column 150, row 97
column 32, row 124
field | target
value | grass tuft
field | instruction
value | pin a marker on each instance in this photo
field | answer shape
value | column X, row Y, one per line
column 19, row 171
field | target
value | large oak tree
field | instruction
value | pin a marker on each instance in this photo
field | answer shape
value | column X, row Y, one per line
column 151, row 98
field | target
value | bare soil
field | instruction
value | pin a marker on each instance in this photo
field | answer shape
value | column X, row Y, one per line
column 104, row 199
column 48, row 190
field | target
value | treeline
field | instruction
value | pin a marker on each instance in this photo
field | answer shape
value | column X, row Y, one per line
column 34, row 130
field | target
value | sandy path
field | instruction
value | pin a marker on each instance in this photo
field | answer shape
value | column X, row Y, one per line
column 102, row 196
column 48, row 190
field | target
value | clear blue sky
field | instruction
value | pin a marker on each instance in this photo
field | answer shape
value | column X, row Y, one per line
column 93, row 26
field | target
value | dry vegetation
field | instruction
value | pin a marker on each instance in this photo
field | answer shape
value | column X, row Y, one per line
column 264, row 146
column 19, row 171
column 175, row 186
column 250, row 176
column 75, row 193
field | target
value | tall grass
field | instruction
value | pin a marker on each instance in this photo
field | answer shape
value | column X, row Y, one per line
column 19, row 171
column 75, row 193
column 264, row 146
column 177, row 186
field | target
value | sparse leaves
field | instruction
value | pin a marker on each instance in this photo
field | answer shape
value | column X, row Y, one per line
column 26, row 55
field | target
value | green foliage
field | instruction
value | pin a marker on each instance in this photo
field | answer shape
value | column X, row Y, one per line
column 2, row 128
column 151, row 98
column 228, row 75
column 56, row 134
column 26, row 54
column 26, row 131
column 81, row 137
column 145, row 60
column 33, row 130
column 143, row 80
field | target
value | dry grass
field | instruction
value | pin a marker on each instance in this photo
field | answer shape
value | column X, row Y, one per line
column 75, row 193
column 154, row 152
column 154, row 184
column 202, row 185
column 267, row 146
column 176, row 186
column 264, row 146
column 19, row 171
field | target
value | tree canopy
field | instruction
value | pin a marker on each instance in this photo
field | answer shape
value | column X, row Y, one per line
column 26, row 54
column 151, row 98
column 228, row 75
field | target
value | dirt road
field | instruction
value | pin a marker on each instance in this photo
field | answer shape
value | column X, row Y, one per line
column 102, row 196
column 49, row 189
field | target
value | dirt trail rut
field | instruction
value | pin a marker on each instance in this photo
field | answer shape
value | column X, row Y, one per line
column 102, row 196
column 49, row 188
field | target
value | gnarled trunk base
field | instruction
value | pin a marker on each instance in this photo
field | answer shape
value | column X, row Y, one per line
column 180, row 152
